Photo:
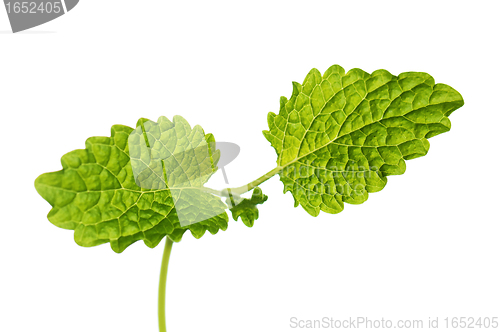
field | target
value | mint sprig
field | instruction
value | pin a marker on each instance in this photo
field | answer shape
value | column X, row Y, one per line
column 337, row 138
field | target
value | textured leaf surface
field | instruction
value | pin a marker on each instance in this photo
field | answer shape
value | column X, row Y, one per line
column 341, row 134
column 245, row 208
column 171, row 155
column 96, row 194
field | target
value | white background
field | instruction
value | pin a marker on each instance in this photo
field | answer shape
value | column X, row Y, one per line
column 426, row 246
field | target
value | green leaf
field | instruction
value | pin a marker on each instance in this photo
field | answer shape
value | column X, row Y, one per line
column 97, row 193
column 246, row 208
column 174, row 156
column 341, row 134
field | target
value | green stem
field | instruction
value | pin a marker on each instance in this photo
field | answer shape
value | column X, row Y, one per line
column 253, row 184
column 243, row 189
column 228, row 192
column 163, row 285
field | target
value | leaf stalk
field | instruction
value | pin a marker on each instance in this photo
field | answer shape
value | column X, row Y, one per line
column 229, row 192
column 163, row 285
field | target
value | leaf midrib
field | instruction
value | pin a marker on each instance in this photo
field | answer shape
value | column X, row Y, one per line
column 320, row 112
column 341, row 126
